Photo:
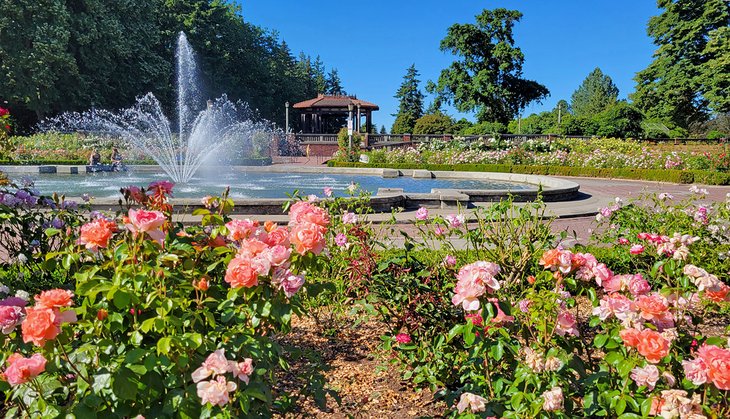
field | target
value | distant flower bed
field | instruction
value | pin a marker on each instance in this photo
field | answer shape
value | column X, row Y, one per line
column 597, row 153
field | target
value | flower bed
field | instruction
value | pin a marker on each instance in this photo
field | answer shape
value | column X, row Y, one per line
column 139, row 315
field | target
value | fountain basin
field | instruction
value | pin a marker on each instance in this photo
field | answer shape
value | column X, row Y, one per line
column 390, row 188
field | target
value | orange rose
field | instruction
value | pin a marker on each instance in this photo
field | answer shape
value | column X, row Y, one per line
column 279, row 235
column 269, row 226
column 97, row 233
column 55, row 298
column 550, row 258
column 40, row 325
column 630, row 337
column 719, row 295
column 307, row 237
column 652, row 306
column 241, row 273
column 652, row 345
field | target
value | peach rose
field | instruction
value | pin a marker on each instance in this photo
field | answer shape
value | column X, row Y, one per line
column 308, row 237
column 96, row 234
column 718, row 365
column 269, row 226
column 148, row 222
column 21, row 370
column 241, row 273
column 718, row 295
column 651, row 306
column 251, row 247
column 652, row 345
column 40, row 325
column 278, row 236
column 305, row 212
column 55, row 298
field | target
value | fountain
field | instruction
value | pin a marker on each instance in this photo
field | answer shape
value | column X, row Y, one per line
column 207, row 132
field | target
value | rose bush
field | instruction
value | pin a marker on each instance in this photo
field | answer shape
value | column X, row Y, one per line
column 163, row 319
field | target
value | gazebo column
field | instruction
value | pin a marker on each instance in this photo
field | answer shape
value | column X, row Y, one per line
column 368, row 121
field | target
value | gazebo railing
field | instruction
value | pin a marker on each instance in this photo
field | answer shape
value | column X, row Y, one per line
column 317, row 138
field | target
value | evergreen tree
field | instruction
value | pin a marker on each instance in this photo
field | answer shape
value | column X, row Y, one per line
column 594, row 95
column 410, row 107
column 320, row 79
column 382, row 129
column 487, row 78
column 333, row 84
column 690, row 75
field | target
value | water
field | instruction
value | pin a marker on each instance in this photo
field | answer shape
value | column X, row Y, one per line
column 253, row 184
column 207, row 132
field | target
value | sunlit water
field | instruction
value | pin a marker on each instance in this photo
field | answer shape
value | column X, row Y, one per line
column 253, row 184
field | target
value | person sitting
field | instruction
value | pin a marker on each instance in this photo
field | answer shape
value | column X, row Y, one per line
column 116, row 158
column 94, row 158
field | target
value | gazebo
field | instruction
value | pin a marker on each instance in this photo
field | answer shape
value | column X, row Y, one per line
column 326, row 114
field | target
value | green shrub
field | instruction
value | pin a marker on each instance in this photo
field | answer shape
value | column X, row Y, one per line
column 343, row 141
column 436, row 123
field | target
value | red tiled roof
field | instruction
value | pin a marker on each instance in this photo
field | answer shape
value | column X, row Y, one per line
column 324, row 101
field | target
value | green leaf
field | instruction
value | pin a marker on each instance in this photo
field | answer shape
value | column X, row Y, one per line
column 50, row 232
column 164, row 345
column 101, row 381
column 121, row 299
column 600, row 340
column 125, row 384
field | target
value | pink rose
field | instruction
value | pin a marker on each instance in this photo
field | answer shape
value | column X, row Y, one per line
column 473, row 281
column 215, row 364
column 647, row 376
column 636, row 249
column 403, row 338
column 278, row 255
column 305, row 212
column 566, row 324
column 602, row 274
column 215, row 391
column 422, row 214
column 290, row 283
column 639, row 286
column 455, row 221
column 449, row 260
column 613, row 304
column 21, row 370
column 472, row 402
column 327, row 191
column 241, row 229
column 242, row 370
column 718, row 365
column 10, row 317
column 696, row 371
column 349, row 218
column 552, row 399
column 148, row 222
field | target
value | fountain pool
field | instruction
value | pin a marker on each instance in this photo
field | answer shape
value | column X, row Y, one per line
column 255, row 184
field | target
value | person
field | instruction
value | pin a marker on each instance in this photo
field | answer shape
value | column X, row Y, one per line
column 116, row 158
column 94, row 158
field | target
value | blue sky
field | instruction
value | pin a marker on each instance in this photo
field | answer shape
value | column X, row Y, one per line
column 372, row 42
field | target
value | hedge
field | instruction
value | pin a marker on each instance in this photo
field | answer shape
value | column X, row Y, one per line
column 660, row 175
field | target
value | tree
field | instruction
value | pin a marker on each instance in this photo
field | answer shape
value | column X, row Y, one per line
column 382, row 129
column 332, row 84
column 488, row 77
column 320, row 79
column 690, row 75
column 621, row 120
column 437, row 123
column 595, row 94
column 410, row 107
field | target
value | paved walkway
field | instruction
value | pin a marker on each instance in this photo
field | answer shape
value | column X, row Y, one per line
column 577, row 217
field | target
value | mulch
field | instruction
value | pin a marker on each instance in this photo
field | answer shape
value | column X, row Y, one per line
column 340, row 372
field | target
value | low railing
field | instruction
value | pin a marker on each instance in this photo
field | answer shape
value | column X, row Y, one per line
column 397, row 140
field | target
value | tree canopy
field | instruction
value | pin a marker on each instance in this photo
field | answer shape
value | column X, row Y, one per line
column 63, row 55
column 410, row 106
column 594, row 95
column 487, row 77
column 690, row 75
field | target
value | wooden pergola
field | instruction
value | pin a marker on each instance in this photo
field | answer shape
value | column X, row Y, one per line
column 327, row 114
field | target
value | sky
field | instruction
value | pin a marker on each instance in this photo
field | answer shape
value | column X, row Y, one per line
column 373, row 42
